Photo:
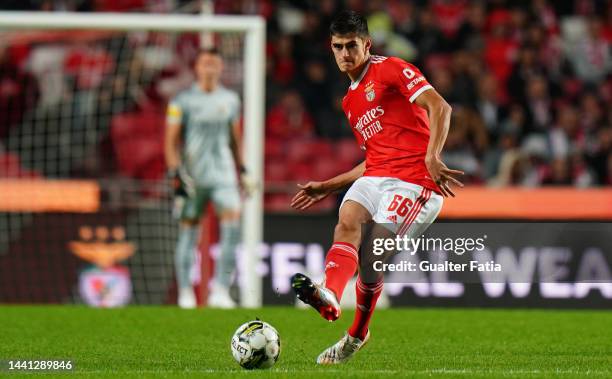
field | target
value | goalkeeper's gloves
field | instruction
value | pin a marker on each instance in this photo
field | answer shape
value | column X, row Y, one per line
column 181, row 183
column 247, row 183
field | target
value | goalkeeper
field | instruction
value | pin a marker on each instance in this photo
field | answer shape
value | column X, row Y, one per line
column 202, row 149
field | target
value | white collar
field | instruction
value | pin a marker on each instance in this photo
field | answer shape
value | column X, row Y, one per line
column 365, row 70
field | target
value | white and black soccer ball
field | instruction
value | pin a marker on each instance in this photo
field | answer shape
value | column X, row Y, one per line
column 256, row 344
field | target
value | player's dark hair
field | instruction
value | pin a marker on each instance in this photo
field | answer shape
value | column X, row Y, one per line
column 349, row 22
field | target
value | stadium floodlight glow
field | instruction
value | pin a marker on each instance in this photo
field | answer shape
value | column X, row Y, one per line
column 254, row 30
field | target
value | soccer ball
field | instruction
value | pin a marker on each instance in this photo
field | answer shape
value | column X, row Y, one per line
column 256, row 344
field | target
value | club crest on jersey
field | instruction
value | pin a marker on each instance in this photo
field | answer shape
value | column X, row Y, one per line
column 370, row 94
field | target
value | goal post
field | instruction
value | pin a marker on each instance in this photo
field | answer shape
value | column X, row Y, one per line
column 254, row 31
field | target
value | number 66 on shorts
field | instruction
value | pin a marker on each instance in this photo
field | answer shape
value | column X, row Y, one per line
column 403, row 208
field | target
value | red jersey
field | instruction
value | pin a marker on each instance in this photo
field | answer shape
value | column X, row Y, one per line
column 392, row 129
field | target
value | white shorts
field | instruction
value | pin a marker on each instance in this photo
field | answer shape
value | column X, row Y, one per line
column 403, row 208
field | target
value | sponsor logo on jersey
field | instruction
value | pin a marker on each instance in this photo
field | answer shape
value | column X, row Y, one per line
column 368, row 125
column 414, row 82
column 369, row 116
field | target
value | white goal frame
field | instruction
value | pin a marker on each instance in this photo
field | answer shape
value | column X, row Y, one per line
column 254, row 28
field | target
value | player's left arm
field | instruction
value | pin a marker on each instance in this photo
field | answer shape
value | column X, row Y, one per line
column 439, row 113
column 411, row 83
column 236, row 145
column 313, row 192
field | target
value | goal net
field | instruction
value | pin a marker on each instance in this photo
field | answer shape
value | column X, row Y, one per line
column 85, row 211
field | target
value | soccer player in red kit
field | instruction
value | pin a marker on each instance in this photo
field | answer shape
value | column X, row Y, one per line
column 402, row 123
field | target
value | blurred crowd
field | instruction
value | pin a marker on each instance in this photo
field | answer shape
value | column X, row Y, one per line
column 529, row 82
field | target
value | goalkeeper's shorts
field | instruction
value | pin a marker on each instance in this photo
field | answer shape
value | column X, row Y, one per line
column 224, row 198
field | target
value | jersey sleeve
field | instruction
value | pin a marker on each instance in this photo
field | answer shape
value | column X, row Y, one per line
column 174, row 112
column 235, row 109
column 406, row 78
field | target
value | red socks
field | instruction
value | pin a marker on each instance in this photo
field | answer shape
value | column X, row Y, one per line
column 340, row 266
column 367, row 295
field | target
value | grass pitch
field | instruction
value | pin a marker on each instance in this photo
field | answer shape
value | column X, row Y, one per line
column 450, row 343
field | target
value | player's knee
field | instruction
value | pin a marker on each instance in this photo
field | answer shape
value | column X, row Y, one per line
column 189, row 222
column 229, row 216
column 347, row 228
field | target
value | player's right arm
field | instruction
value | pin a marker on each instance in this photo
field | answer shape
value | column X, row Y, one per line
column 172, row 138
column 313, row 192
column 172, row 150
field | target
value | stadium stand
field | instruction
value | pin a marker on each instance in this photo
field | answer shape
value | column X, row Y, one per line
column 529, row 82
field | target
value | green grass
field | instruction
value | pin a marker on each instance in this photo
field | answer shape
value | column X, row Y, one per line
column 449, row 343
